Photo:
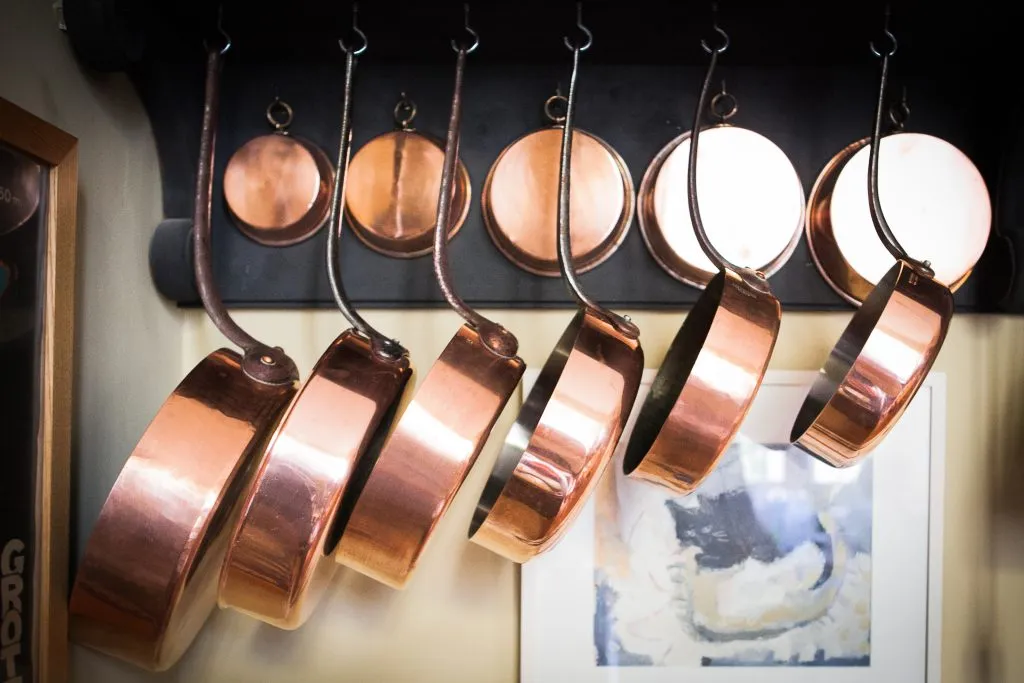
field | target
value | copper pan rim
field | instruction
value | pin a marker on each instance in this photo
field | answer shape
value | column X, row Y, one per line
column 583, row 263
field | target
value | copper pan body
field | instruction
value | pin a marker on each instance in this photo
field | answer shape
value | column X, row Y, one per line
column 706, row 383
column 875, row 368
column 749, row 193
column 279, row 561
column 426, row 459
column 562, row 440
column 520, row 201
column 20, row 187
column 148, row 580
column 392, row 188
column 278, row 189
column 933, row 197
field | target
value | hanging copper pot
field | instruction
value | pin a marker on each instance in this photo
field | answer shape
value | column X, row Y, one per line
column 393, row 183
column 520, row 198
column 934, row 198
column 715, row 365
column 568, row 427
column 148, row 579
column 278, row 187
column 886, row 351
column 280, row 559
column 441, row 432
column 20, row 189
column 748, row 189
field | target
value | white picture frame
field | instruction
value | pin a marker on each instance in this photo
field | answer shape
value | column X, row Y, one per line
column 559, row 605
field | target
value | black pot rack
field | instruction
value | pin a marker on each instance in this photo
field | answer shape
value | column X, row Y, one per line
column 801, row 72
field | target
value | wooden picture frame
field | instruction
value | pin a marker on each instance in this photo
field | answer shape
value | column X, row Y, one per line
column 34, row 570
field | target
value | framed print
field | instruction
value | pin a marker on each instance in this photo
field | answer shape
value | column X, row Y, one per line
column 777, row 569
column 38, row 195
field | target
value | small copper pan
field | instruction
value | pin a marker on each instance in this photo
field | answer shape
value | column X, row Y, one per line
column 148, row 580
column 715, row 365
column 886, row 351
column 441, row 432
column 748, row 188
column 394, row 180
column 278, row 186
column 520, row 198
column 279, row 562
column 20, row 184
column 571, row 421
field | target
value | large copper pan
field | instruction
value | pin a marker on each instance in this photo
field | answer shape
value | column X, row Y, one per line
column 571, row 421
column 148, row 579
column 886, row 351
column 441, row 432
column 280, row 559
column 715, row 365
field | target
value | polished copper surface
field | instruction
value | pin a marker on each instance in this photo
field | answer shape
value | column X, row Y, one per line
column 426, row 459
column 750, row 196
column 876, row 367
column 562, row 440
column 148, row 579
column 392, row 189
column 706, row 383
column 520, row 201
column 279, row 561
column 278, row 188
column 20, row 188
column 934, row 199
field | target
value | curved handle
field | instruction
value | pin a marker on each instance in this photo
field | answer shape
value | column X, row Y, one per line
column 262, row 363
column 382, row 345
column 494, row 336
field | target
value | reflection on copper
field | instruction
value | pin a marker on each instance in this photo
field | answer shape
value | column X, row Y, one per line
column 279, row 562
column 750, row 196
column 520, row 201
column 277, row 187
column 426, row 459
column 148, row 579
column 392, row 189
column 876, row 367
column 562, row 440
column 933, row 197
column 20, row 189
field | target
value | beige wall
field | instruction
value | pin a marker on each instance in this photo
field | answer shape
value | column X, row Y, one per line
column 458, row 619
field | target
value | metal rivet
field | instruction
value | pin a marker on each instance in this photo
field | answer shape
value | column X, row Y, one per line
column 267, row 360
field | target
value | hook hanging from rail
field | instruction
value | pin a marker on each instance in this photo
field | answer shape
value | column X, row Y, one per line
column 588, row 36
column 358, row 32
column 474, row 36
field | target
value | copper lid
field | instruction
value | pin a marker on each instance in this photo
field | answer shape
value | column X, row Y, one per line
column 934, row 199
column 750, row 196
column 20, row 180
column 392, row 188
column 520, row 201
column 277, row 186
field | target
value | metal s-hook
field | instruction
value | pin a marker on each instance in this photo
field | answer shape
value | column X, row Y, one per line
column 224, row 34
column 724, row 45
column 588, row 36
column 474, row 36
column 888, row 34
column 359, row 33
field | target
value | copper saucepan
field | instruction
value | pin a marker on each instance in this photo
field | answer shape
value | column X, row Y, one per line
column 715, row 365
column 148, row 580
column 441, row 432
column 279, row 562
column 571, row 421
column 883, row 356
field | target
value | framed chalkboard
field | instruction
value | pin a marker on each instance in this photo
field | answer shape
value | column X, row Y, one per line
column 38, row 194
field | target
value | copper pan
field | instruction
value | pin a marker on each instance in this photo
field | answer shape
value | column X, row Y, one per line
column 886, row 351
column 148, row 579
column 935, row 198
column 441, row 432
column 520, row 199
column 279, row 562
column 715, row 365
column 571, row 421
column 20, row 189
column 749, row 191
column 278, row 187
column 393, row 183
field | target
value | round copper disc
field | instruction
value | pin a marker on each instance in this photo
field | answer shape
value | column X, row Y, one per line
column 751, row 200
column 20, row 179
column 392, row 189
column 934, row 199
column 520, row 201
column 278, row 189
